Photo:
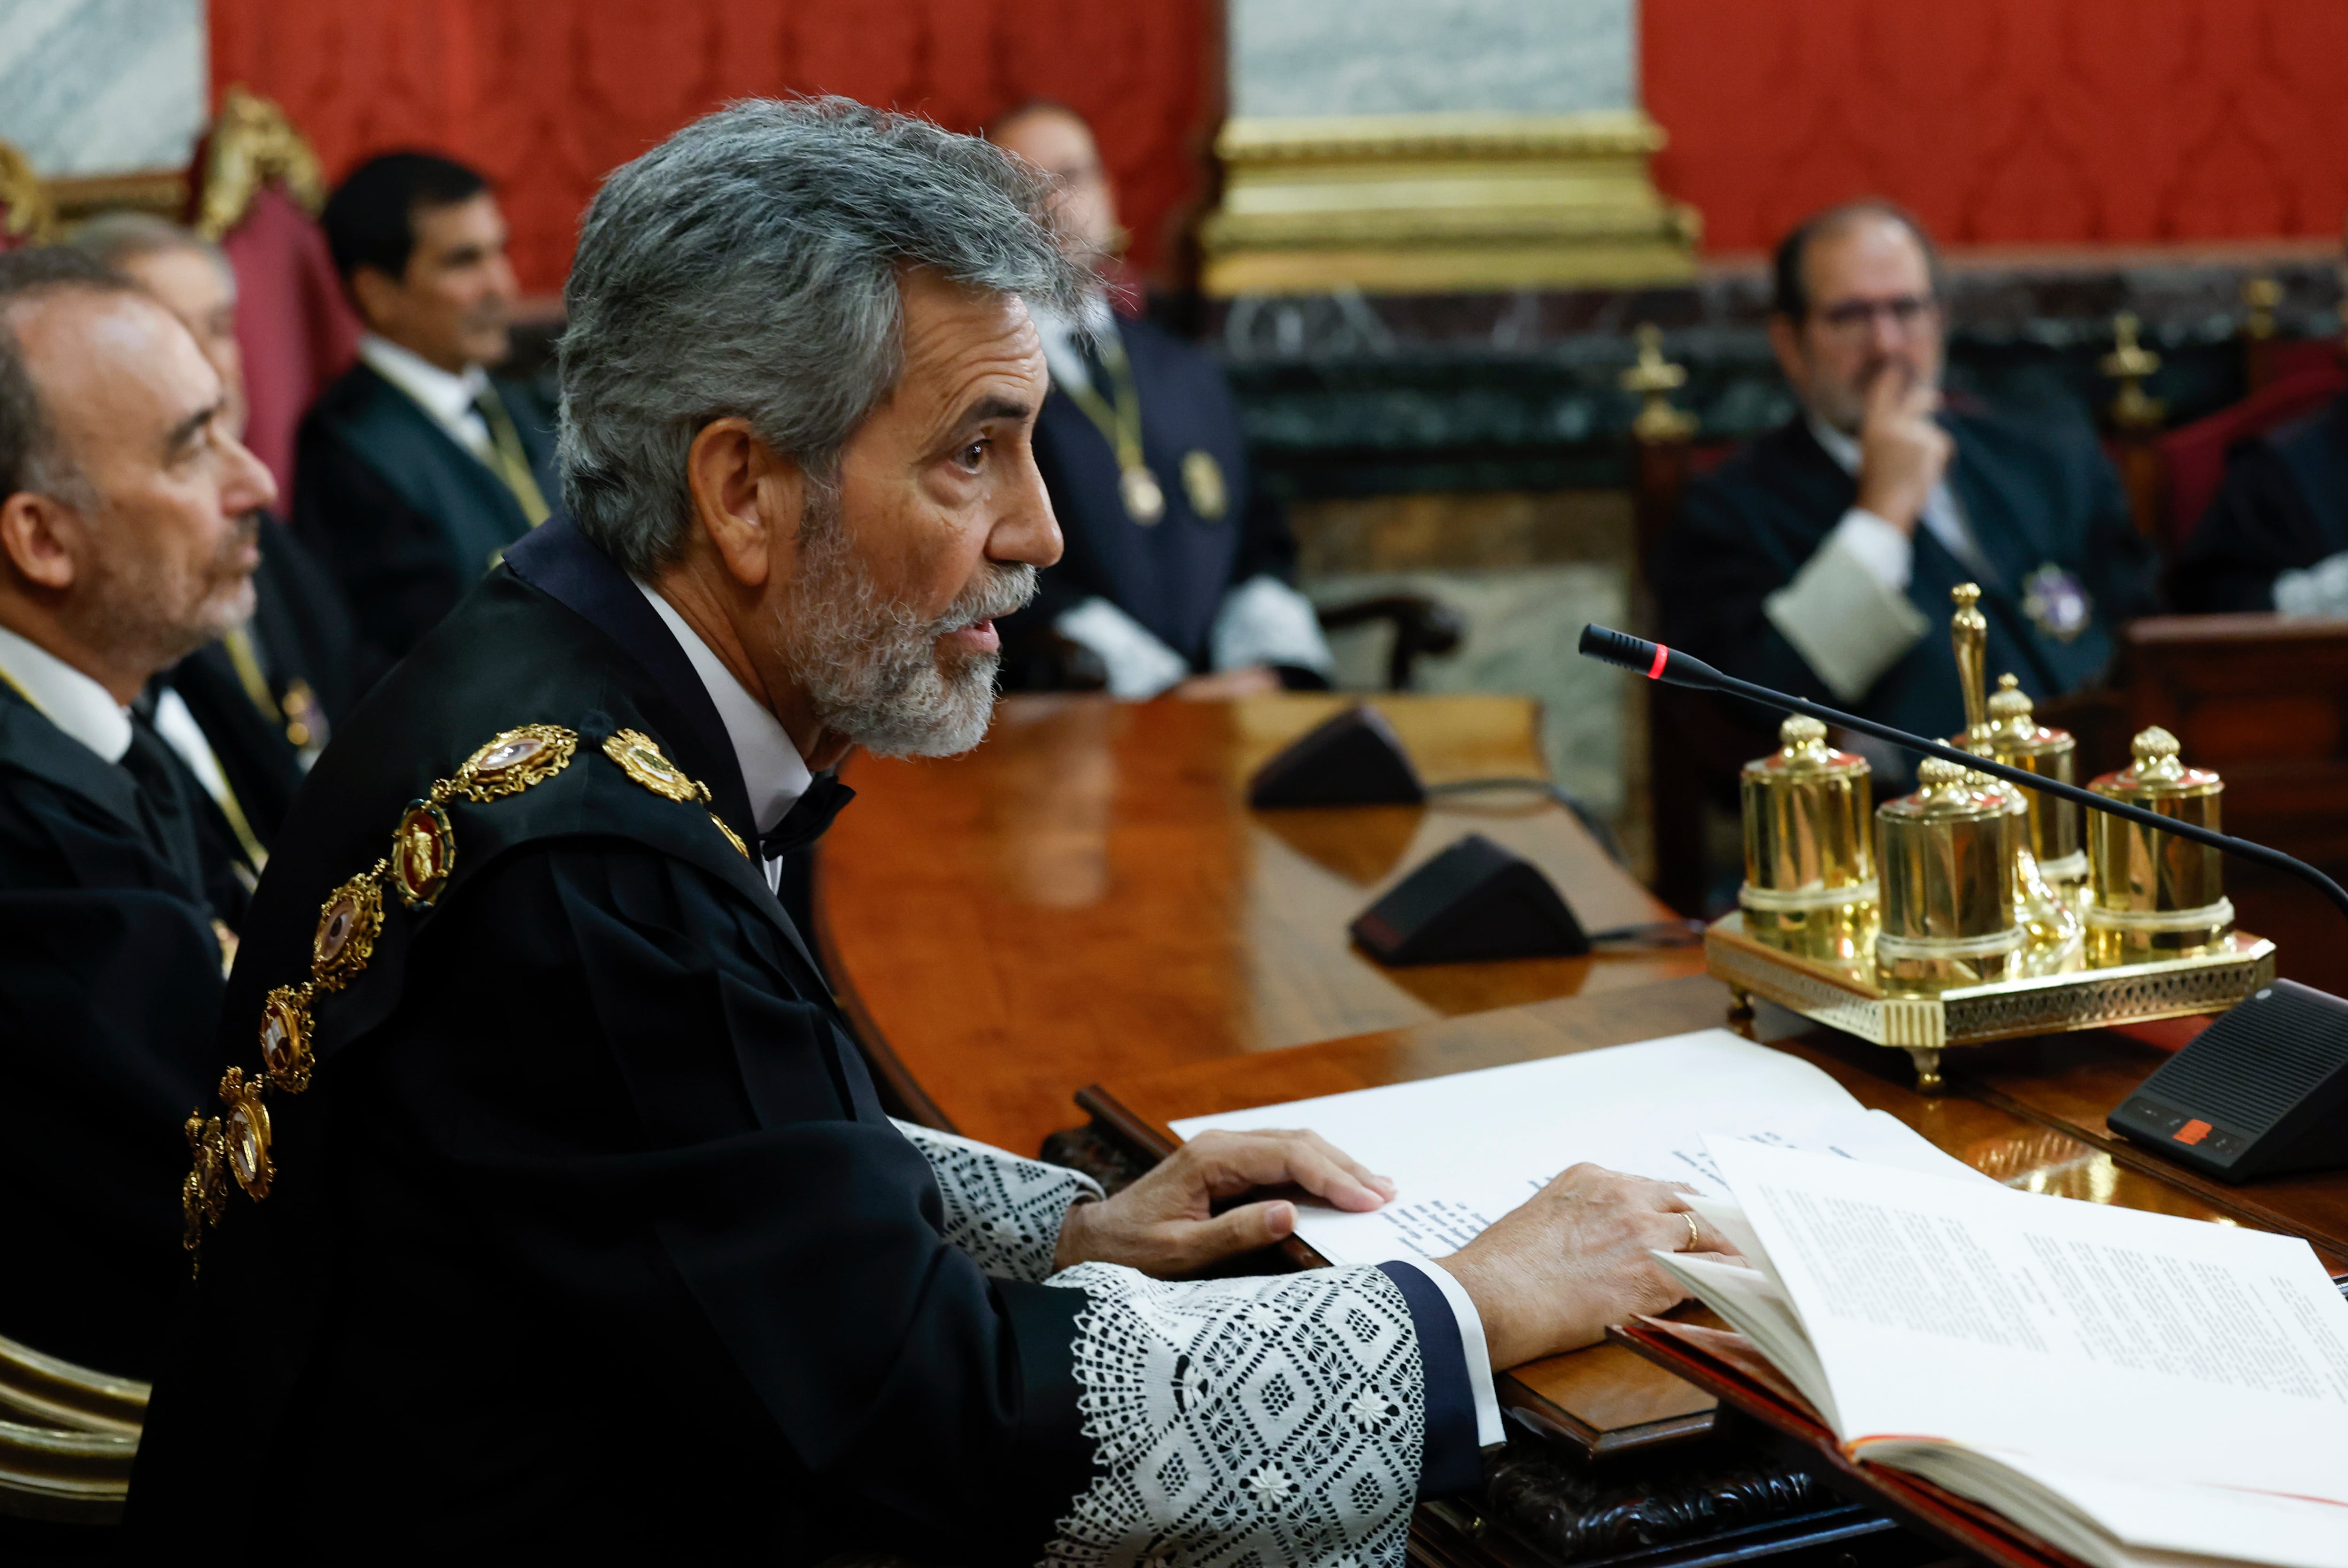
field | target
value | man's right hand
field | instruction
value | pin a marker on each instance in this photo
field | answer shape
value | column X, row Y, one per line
column 1552, row 1276
column 1902, row 453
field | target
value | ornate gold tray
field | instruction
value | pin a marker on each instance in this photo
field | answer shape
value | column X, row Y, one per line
column 1847, row 995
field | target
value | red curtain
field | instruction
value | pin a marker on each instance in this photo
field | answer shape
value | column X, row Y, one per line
column 2004, row 121
column 548, row 96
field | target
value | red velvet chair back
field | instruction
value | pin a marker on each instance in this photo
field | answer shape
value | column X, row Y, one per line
column 2306, row 377
column 298, row 331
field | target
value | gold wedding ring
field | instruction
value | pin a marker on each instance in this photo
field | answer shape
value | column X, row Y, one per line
column 1689, row 1216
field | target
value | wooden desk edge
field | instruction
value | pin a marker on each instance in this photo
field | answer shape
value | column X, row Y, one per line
column 892, row 1072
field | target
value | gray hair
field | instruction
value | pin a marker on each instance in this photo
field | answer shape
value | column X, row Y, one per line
column 747, row 267
column 115, row 238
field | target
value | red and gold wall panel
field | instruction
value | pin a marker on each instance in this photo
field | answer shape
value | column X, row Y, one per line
column 1999, row 121
column 2006, row 121
column 548, row 96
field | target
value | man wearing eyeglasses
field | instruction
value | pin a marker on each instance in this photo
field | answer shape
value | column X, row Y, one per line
column 1821, row 557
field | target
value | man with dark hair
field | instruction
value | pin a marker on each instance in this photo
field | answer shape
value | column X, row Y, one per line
column 125, row 542
column 264, row 696
column 1180, row 573
column 414, row 470
column 1820, row 558
column 547, row 1207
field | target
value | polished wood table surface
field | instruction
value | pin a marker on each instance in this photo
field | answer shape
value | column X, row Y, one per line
column 1086, row 896
column 2029, row 1113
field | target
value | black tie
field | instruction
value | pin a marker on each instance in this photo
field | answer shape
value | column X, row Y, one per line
column 163, row 802
column 809, row 816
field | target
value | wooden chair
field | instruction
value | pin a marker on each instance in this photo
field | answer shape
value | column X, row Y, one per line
column 2264, row 700
column 28, row 212
column 257, row 188
column 66, row 1438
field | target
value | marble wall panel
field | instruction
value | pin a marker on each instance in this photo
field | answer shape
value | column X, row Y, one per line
column 1418, row 56
column 102, row 87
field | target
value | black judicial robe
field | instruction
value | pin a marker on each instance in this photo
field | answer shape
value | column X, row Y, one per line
column 589, row 1233
column 110, row 1000
column 2032, row 498
column 405, row 518
column 1169, row 575
column 301, row 633
column 2283, row 505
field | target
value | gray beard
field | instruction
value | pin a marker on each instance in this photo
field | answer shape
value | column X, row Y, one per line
column 870, row 666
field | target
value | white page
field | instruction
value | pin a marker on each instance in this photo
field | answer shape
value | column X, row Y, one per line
column 2142, row 1345
column 2141, row 1515
column 1466, row 1149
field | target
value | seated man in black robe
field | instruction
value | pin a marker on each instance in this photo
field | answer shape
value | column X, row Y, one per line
column 126, row 541
column 2276, row 537
column 1179, row 574
column 1819, row 559
column 415, row 469
column 263, row 698
column 547, row 1206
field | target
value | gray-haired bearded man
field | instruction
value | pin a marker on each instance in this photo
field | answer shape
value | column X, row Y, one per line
column 547, row 1204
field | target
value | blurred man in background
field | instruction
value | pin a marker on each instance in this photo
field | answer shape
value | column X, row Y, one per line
column 127, row 541
column 1820, row 558
column 1179, row 574
column 2276, row 538
column 264, row 696
column 415, row 469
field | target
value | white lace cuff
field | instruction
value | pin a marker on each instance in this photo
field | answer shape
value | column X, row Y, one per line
column 1005, row 1212
column 1280, row 1419
column 1139, row 666
column 1263, row 621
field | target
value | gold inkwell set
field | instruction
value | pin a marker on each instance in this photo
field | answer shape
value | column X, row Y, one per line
column 1974, row 910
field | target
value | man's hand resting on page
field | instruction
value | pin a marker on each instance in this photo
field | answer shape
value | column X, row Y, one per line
column 1552, row 1276
column 1164, row 1224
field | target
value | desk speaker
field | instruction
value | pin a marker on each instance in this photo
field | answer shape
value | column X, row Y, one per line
column 1354, row 760
column 2262, row 1091
column 1473, row 902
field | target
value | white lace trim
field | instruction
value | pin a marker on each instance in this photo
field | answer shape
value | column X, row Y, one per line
column 1245, row 1423
column 1003, row 1211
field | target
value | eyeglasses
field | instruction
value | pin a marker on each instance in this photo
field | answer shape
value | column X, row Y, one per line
column 1905, row 312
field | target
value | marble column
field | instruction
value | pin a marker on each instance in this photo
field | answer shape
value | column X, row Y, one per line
column 1414, row 145
column 102, row 87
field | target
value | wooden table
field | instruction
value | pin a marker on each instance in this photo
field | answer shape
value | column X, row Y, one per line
column 1086, row 896
column 2027, row 1112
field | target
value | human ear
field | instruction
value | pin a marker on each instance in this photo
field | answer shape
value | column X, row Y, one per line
column 34, row 542
column 748, row 496
column 377, row 294
column 1786, row 341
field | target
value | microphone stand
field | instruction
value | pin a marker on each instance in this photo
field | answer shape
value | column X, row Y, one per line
column 1657, row 662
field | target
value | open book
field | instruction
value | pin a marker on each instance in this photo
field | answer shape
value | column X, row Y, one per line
column 2133, row 1388
column 1466, row 1149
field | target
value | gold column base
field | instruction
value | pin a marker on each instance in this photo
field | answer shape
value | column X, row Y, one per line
column 1427, row 204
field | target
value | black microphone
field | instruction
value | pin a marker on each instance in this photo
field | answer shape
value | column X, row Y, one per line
column 1658, row 663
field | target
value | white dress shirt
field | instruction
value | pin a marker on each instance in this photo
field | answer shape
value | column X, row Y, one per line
column 67, row 699
column 449, row 399
column 1847, row 611
column 773, row 772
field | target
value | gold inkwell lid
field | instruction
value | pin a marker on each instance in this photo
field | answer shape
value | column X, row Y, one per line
column 1803, row 753
column 2014, row 727
column 1949, row 792
column 2159, row 773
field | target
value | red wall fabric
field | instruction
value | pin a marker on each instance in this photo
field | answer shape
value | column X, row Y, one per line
column 2004, row 121
column 547, row 98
